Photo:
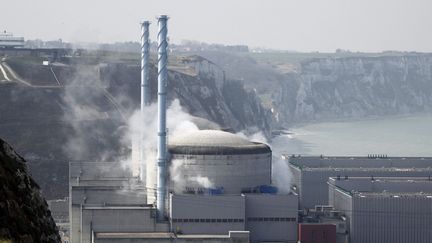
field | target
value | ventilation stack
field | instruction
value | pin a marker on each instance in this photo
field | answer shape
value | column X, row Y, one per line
column 145, row 54
column 162, row 134
column 145, row 86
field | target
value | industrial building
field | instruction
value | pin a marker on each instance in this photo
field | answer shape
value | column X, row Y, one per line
column 205, row 185
column 384, row 209
column 8, row 40
column 107, row 201
column 311, row 173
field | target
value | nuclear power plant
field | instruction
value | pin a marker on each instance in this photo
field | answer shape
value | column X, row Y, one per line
column 214, row 186
column 205, row 185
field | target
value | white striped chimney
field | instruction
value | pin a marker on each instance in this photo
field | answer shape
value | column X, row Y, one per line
column 145, row 87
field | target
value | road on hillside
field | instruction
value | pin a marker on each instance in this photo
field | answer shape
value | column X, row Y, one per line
column 10, row 75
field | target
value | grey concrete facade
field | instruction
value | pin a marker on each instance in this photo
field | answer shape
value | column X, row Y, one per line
column 199, row 214
column 385, row 209
column 267, row 217
column 105, row 198
column 232, row 172
column 272, row 217
column 310, row 174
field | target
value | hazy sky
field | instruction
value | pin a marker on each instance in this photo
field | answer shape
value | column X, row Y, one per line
column 303, row 25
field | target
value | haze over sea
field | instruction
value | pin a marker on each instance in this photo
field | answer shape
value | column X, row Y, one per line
column 400, row 136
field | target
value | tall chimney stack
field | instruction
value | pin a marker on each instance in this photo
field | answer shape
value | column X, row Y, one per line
column 145, row 53
column 145, row 86
column 162, row 92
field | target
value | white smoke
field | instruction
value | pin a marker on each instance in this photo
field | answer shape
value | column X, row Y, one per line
column 281, row 173
column 178, row 122
column 180, row 180
column 88, row 120
column 176, row 176
column 202, row 181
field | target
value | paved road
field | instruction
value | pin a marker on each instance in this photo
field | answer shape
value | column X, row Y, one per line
column 3, row 75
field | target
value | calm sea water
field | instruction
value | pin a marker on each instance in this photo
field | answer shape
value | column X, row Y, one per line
column 401, row 136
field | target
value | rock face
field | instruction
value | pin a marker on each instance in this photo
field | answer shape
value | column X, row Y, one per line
column 356, row 87
column 24, row 214
column 205, row 93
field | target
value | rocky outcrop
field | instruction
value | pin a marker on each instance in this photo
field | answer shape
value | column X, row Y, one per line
column 356, row 87
column 24, row 214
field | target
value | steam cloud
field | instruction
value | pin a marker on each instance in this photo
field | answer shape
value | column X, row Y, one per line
column 281, row 173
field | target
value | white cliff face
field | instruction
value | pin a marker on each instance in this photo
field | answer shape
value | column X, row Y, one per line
column 358, row 87
column 225, row 102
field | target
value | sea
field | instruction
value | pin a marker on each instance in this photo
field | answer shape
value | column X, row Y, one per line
column 392, row 136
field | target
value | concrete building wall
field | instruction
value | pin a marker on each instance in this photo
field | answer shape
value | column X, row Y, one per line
column 75, row 223
column 88, row 221
column 389, row 219
column 198, row 214
column 232, row 172
column 313, row 189
column 272, row 217
column 127, row 220
column 342, row 202
column 107, row 196
column 98, row 171
column 376, row 216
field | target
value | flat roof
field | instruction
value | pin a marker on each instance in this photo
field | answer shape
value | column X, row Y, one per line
column 394, row 187
column 101, row 174
column 326, row 162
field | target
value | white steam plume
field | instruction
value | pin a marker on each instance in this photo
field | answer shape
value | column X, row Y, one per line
column 281, row 173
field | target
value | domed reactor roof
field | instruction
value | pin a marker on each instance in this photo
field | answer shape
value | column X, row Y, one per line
column 206, row 142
